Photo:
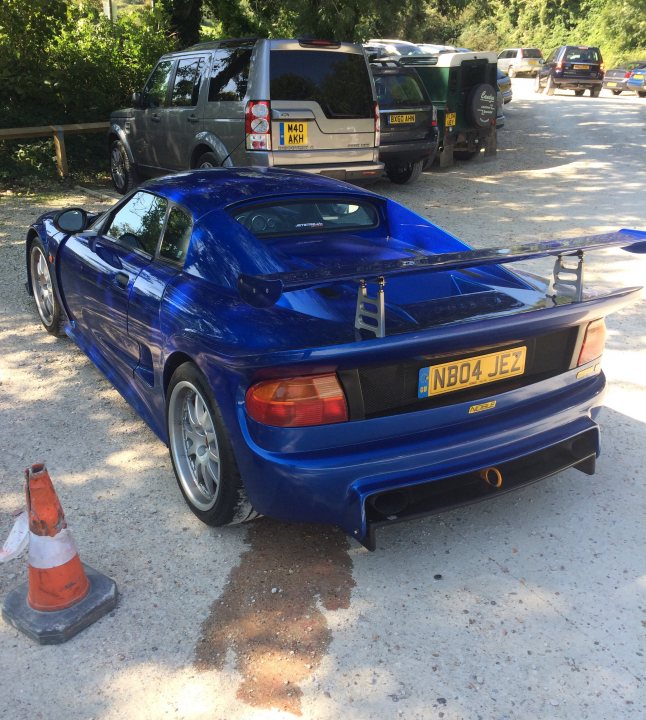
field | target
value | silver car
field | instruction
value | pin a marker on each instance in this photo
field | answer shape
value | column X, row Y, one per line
column 303, row 105
column 516, row 61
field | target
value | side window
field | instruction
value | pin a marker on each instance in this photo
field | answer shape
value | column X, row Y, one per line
column 137, row 224
column 229, row 74
column 176, row 236
column 187, row 82
column 157, row 86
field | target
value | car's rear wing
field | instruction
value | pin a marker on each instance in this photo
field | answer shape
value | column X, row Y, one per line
column 266, row 290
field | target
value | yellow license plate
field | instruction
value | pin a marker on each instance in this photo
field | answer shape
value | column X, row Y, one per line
column 638, row 77
column 611, row 84
column 292, row 134
column 450, row 119
column 401, row 119
column 461, row 374
column 581, row 67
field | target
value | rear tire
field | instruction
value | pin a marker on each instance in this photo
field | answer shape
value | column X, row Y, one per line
column 404, row 174
column 641, row 93
column 579, row 93
column 616, row 92
column 549, row 87
column 49, row 309
column 208, row 160
column 123, row 172
column 201, row 451
column 594, row 92
column 511, row 72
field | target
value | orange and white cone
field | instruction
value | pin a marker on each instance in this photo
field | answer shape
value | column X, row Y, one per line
column 62, row 596
column 56, row 577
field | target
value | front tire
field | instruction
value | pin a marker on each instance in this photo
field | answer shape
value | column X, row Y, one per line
column 123, row 172
column 537, row 84
column 201, row 452
column 403, row 174
column 49, row 309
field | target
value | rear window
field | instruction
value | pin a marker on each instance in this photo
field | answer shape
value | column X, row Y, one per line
column 582, row 54
column 307, row 216
column 339, row 82
column 398, row 90
column 532, row 53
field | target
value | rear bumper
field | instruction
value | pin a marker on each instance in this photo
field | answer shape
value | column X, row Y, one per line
column 401, row 153
column 575, row 83
column 342, row 474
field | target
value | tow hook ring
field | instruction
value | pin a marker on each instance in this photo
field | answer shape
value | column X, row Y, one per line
column 492, row 476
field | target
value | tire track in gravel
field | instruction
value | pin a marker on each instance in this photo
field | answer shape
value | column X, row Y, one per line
column 270, row 614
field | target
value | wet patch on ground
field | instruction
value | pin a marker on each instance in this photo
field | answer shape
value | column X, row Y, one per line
column 270, row 616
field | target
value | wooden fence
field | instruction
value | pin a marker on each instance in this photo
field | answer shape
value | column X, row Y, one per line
column 58, row 133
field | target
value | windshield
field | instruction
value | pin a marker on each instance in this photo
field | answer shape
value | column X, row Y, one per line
column 338, row 81
column 398, row 90
column 307, row 216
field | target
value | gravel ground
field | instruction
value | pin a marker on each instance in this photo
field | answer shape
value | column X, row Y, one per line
column 530, row 606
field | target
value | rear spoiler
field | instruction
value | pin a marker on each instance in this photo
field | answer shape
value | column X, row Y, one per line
column 265, row 290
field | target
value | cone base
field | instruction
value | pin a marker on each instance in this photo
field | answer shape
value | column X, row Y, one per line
column 58, row 626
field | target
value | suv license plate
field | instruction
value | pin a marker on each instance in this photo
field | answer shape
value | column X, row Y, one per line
column 293, row 134
column 461, row 374
column 581, row 67
column 450, row 119
column 401, row 119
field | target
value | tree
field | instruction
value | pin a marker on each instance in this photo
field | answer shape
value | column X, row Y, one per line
column 185, row 19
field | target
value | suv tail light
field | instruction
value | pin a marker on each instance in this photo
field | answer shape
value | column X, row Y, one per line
column 377, row 125
column 434, row 121
column 559, row 66
column 627, row 74
column 298, row 402
column 593, row 343
column 258, row 125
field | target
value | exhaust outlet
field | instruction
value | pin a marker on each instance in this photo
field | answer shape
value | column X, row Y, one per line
column 390, row 503
column 492, row 476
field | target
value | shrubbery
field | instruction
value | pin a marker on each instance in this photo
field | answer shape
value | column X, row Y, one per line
column 70, row 64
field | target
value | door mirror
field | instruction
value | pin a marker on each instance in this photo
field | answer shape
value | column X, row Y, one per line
column 72, row 220
column 137, row 100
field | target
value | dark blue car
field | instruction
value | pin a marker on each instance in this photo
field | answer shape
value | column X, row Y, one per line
column 315, row 352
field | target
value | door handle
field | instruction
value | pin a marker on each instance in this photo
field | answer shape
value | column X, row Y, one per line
column 122, row 279
column 193, row 118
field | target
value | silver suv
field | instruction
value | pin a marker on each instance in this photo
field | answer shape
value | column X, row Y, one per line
column 299, row 104
column 515, row 61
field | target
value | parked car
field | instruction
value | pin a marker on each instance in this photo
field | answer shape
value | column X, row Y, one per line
column 315, row 352
column 504, row 96
column 637, row 81
column 616, row 79
column 301, row 104
column 463, row 88
column 408, row 139
column 571, row 67
column 378, row 47
column 518, row 61
column 431, row 49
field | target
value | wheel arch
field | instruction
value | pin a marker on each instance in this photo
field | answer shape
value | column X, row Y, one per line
column 173, row 361
column 208, row 142
column 116, row 132
column 32, row 234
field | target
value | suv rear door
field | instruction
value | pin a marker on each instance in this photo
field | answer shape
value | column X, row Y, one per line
column 580, row 62
column 404, row 106
column 322, row 104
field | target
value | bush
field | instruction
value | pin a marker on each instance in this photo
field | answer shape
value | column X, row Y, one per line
column 74, row 65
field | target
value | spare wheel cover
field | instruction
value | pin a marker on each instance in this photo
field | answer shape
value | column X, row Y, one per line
column 481, row 105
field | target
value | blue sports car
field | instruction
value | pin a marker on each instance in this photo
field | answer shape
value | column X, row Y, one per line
column 314, row 352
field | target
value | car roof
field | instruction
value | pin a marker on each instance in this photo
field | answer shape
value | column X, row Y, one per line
column 202, row 191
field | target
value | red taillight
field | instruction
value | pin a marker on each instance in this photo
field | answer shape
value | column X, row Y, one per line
column 258, row 125
column 627, row 74
column 593, row 343
column 298, row 402
column 559, row 66
column 377, row 126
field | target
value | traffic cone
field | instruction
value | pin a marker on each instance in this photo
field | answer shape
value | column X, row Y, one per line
column 62, row 596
